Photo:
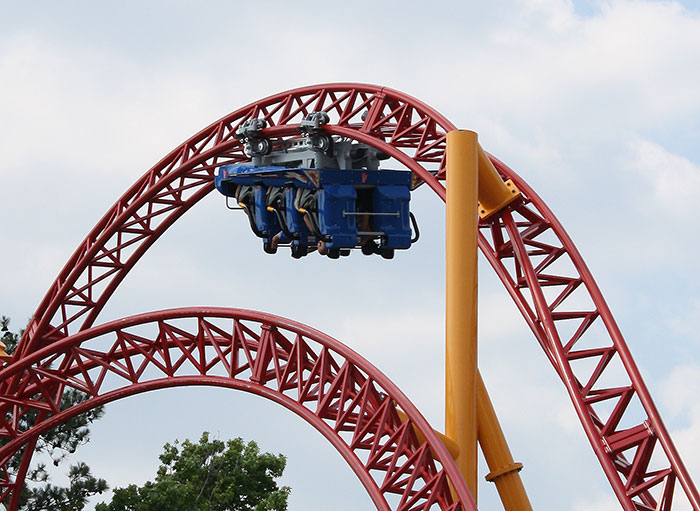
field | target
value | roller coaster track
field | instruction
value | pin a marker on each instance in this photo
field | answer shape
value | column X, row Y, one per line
column 525, row 244
column 346, row 399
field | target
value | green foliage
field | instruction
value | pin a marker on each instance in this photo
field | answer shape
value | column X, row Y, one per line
column 73, row 498
column 10, row 339
column 57, row 443
column 64, row 439
column 210, row 475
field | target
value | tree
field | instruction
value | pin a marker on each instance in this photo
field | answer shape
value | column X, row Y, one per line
column 210, row 475
column 73, row 498
column 57, row 443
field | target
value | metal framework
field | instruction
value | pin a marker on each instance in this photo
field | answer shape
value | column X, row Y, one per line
column 525, row 244
column 344, row 397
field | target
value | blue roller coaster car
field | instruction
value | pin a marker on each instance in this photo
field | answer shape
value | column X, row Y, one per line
column 343, row 209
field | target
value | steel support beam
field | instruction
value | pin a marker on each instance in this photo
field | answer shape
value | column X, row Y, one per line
column 461, row 301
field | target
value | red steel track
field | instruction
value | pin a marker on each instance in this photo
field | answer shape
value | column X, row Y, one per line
column 331, row 387
column 525, row 244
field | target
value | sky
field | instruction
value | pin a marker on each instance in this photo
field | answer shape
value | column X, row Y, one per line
column 594, row 104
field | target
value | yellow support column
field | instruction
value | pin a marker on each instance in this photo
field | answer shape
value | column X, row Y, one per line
column 461, row 301
column 503, row 470
column 3, row 354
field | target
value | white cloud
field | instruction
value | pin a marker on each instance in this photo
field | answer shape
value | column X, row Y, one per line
column 591, row 77
column 680, row 393
column 82, row 110
column 597, row 501
column 686, row 323
column 650, row 212
column 558, row 15
column 674, row 179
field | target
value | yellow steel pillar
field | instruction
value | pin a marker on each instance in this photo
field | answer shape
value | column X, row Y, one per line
column 503, row 470
column 461, row 301
column 3, row 354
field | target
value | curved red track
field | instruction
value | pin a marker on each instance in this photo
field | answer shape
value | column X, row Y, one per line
column 331, row 387
column 525, row 244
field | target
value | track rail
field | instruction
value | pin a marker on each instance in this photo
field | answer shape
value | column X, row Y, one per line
column 525, row 244
column 330, row 386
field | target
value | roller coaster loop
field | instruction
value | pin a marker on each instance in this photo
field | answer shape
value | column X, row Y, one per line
column 343, row 397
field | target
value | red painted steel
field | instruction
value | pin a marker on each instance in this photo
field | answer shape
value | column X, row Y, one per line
column 525, row 244
column 330, row 386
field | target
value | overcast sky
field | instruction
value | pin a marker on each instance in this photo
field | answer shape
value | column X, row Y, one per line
column 595, row 104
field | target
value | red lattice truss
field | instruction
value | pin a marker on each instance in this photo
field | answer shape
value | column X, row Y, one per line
column 346, row 399
column 525, row 244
